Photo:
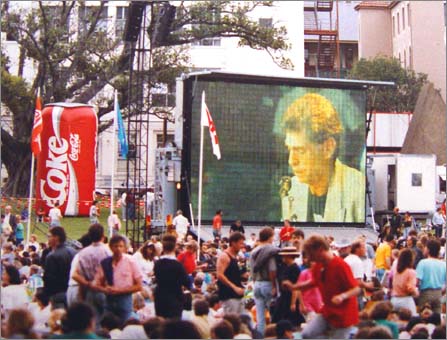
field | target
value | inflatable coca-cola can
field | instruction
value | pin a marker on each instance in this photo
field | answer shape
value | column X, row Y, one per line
column 66, row 166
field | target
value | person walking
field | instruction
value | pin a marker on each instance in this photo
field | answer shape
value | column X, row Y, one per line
column 130, row 205
column 229, row 280
column 217, row 225
column 285, row 235
column 263, row 273
column 57, row 267
column 287, row 306
column 408, row 223
column 354, row 260
column 19, row 230
column 118, row 277
column 113, row 223
column 404, row 288
column 339, row 290
column 55, row 216
column 89, row 260
column 181, row 225
column 438, row 222
column 170, row 276
column 9, row 220
column 396, row 222
column 94, row 213
column 431, row 274
column 383, row 256
column 123, row 206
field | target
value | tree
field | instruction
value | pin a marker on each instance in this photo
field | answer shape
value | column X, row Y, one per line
column 385, row 99
column 76, row 58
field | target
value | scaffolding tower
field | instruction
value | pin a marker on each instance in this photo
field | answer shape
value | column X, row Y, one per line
column 138, row 118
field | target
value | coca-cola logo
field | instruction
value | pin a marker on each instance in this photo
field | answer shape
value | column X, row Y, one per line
column 56, row 179
column 75, row 144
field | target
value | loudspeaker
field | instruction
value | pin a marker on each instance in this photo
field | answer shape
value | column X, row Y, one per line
column 134, row 20
column 163, row 23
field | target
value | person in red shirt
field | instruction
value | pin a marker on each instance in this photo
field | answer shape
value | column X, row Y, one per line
column 217, row 224
column 285, row 235
column 443, row 208
column 188, row 259
column 339, row 290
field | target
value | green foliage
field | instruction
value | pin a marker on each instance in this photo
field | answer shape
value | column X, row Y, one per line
column 401, row 98
column 75, row 58
column 207, row 19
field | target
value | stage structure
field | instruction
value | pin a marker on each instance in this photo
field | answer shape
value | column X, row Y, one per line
column 292, row 148
column 147, row 27
column 135, row 36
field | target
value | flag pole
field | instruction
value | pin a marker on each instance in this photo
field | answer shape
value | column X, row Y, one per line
column 192, row 215
column 199, row 214
column 112, row 187
column 38, row 114
column 30, row 197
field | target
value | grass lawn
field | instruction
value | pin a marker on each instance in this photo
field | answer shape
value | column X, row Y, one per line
column 74, row 226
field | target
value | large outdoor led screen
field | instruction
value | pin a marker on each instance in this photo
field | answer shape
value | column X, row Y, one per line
column 288, row 152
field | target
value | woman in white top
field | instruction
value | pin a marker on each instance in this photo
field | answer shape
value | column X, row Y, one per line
column 145, row 258
column 114, row 224
column 13, row 293
column 55, row 216
column 33, row 242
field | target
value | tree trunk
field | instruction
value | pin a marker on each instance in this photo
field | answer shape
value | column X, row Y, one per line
column 18, row 178
column 16, row 157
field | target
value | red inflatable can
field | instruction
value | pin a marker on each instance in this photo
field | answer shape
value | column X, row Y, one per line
column 66, row 166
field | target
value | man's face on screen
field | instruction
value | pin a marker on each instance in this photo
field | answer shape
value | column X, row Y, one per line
column 305, row 157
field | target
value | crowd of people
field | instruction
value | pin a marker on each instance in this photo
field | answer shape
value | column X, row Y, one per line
column 277, row 283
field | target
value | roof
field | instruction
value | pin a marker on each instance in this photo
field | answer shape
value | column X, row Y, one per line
column 374, row 5
column 283, row 79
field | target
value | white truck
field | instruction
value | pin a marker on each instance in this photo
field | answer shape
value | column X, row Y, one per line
column 407, row 181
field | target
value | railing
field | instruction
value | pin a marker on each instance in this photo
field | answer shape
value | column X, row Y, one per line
column 322, row 21
column 322, row 5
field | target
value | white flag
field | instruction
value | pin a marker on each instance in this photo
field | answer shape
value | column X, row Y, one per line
column 206, row 120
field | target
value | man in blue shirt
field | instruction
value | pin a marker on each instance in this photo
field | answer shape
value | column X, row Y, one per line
column 431, row 275
column 438, row 222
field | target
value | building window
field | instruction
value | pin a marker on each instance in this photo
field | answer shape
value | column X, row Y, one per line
column 87, row 15
column 121, row 12
column 56, row 21
column 408, row 14
column 398, row 24
column 410, row 57
column 163, row 95
column 266, row 22
column 207, row 42
column 394, row 26
column 214, row 18
column 169, row 139
column 403, row 18
column 405, row 58
column 121, row 16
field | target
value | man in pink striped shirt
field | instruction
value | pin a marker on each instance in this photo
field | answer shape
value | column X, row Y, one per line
column 118, row 277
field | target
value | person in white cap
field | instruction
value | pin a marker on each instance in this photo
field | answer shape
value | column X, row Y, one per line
column 343, row 247
column 287, row 306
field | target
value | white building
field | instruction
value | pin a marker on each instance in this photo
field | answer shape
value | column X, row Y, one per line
column 211, row 54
